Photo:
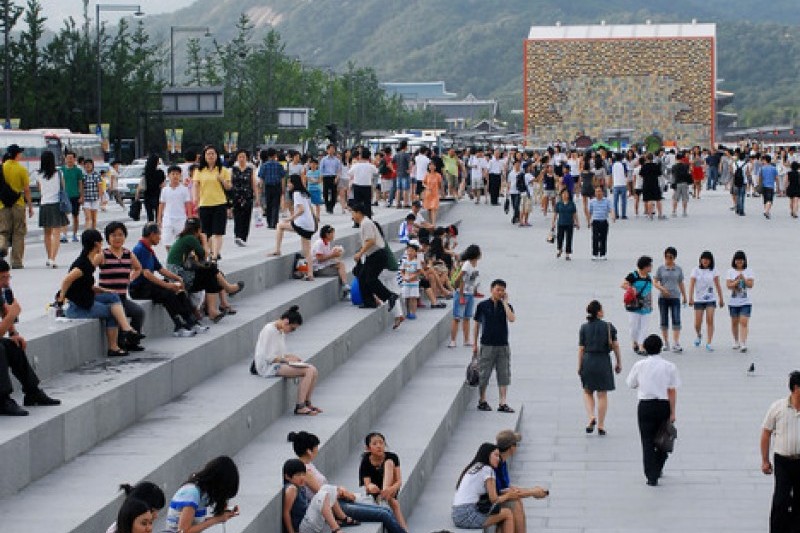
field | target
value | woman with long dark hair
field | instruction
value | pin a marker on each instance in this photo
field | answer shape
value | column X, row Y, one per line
column 301, row 222
column 244, row 188
column 51, row 218
column 379, row 474
column 211, row 181
column 134, row 516
column 153, row 182
column 210, row 489
column 476, row 504
column 145, row 491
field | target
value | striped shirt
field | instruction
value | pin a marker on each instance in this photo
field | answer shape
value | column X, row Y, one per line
column 783, row 421
column 115, row 271
column 188, row 495
column 599, row 209
column 91, row 187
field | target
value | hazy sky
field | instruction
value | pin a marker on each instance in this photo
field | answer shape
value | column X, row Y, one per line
column 58, row 10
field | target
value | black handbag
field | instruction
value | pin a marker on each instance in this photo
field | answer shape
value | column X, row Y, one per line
column 485, row 505
column 135, row 211
column 473, row 373
column 665, row 438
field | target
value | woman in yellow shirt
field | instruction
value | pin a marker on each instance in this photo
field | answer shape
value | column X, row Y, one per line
column 211, row 181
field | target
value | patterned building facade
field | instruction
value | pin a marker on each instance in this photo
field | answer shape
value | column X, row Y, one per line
column 644, row 78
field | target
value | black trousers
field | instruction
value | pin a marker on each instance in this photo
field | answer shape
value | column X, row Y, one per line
column 494, row 188
column 652, row 414
column 272, row 204
column 599, row 237
column 133, row 311
column 13, row 357
column 241, row 219
column 564, row 233
column 368, row 282
column 329, row 192
column 151, row 207
column 785, row 514
column 176, row 304
column 363, row 194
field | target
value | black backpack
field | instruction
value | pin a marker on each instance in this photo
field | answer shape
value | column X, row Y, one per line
column 521, row 187
column 7, row 195
column 738, row 176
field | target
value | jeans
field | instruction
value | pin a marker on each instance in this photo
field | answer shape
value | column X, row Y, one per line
column 101, row 308
column 740, row 192
column 372, row 513
column 599, row 237
column 652, row 414
column 620, row 193
column 713, row 177
column 667, row 307
column 515, row 207
column 329, row 192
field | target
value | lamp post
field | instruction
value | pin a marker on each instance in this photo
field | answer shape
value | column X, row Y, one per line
column 137, row 11
column 172, row 31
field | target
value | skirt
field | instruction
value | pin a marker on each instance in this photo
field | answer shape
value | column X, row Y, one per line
column 50, row 216
column 596, row 372
column 467, row 516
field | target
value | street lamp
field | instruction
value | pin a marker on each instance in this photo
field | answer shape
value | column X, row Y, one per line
column 137, row 12
column 172, row 31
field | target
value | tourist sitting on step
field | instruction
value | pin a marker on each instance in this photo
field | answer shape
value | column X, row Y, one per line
column 147, row 492
column 134, row 516
column 88, row 301
column 12, row 354
column 272, row 359
column 379, row 473
column 202, row 501
column 306, row 446
column 476, row 504
column 166, row 288
column 328, row 258
column 302, row 514
column 186, row 258
column 507, row 441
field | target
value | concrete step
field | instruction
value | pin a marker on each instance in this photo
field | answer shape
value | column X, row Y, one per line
column 219, row 416
column 432, row 510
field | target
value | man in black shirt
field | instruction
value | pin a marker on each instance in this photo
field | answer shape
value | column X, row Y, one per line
column 493, row 315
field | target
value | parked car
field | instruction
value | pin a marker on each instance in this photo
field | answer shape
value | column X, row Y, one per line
column 130, row 177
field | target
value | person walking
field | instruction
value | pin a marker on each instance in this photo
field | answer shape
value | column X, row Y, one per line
column 703, row 281
column 740, row 182
column 682, row 179
column 211, row 181
column 330, row 167
column 793, row 188
column 620, row 184
column 768, row 179
column 565, row 220
column 739, row 280
column 672, row 291
column 244, row 189
column 596, row 340
column 656, row 381
column 153, row 182
column 13, row 226
column 51, row 218
column 73, row 185
column 491, row 321
column 271, row 174
column 432, row 192
column 638, row 287
column 781, row 429
column 599, row 212
column 371, row 259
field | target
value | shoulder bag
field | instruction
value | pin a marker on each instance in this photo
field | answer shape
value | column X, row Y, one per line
column 64, row 204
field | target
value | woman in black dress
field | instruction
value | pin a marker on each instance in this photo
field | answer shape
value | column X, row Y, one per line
column 596, row 339
column 153, row 183
column 651, row 188
column 793, row 188
column 244, row 193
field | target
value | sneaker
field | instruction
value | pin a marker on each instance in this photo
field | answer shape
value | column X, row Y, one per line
column 744, row 349
column 63, row 239
column 752, row 369
column 698, row 341
column 183, row 332
column 411, row 316
column 74, row 238
column 665, row 348
column 239, row 242
column 200, row 328
column 603, row 258
column 677, row 348
column 736, row 347
column 709, row 348
column 451, row 344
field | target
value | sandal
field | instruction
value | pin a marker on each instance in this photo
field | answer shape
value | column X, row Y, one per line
column 240, row 285
column 304, row 411
column 313, row 407
column 276, row 253
column 348, row 521
column 484, row 406
column 228, row 310
column 439, row 305
column 117, row 353
column 217, row 318
column 397, row 321
column 590, row 427
column 504, row 408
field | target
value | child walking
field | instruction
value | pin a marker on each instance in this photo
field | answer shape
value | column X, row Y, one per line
column 174, row 207
column 409, row 271
column 466, row 284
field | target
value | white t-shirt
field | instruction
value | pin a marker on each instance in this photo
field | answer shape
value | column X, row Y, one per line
column 618, row 174
column 320, row 247
column 174, row 201
column 473, row 485
column 362, row 173
column 470, row 276
column 306, row 219
column 574, row 166
column 739, row 294
column 652, row 376
column 529, row 179
column 420, row 167
column 49, row 187
column 704, row 284
column 476, row 166
column 512, row 182
column 271, row 343
column 496, row 165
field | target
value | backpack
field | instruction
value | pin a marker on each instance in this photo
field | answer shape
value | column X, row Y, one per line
column 521, row 186
column 633, row 299
column 7, row 195
column 383, row 168
column 738, row 176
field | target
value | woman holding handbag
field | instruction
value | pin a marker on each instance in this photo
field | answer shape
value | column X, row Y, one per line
column 595, row 340
column 51, row 215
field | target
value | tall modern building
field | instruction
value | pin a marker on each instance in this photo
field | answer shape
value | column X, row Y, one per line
column 621, row 80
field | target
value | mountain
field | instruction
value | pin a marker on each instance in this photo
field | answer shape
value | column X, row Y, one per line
column 476, row 46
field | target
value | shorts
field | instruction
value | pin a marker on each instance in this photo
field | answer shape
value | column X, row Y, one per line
column 700, row 306
column 76, row 206
column 549, row 193
column 467, row 516
column 213, row 219
column 386, row 185
column 681, row 193
column 403, row 183
column 313, row 521
column 638, row 192
column 740, row 310
column 92, row 205
column 527, row 204
column 768, row 194
column 497, row 358
column 409, row 291
column 476, row 183
column 467, row 310
column 170, row 228
column 304, row 233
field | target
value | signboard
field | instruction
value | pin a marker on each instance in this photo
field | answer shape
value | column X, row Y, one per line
column 294, row 118
column 193, row 102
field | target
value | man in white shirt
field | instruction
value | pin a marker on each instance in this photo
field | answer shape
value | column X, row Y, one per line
column 656, row 381
column 496, row 169
column 620, row 184
column 421, row 161
column 478, row 173
column 782, row 427
column 361, row 174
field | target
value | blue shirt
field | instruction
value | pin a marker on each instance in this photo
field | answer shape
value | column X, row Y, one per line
column 188, row 495
column 599, row 209
column 147, row 258
column 501, row 478
column 330, row 166
column 768, row 174
column 271, row 172
column 566, row 213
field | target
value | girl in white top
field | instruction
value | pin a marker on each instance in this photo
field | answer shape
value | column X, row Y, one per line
column 301, row 222
column 703, row 281
column 271, row 359
column 50, row 216
column 477, row 479
column 739, row 280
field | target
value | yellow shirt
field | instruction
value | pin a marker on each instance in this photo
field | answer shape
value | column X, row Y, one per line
column 17, row 178
column 209, row 188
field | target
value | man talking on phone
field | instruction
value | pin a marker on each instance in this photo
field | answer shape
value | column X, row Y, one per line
column 493, row 315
